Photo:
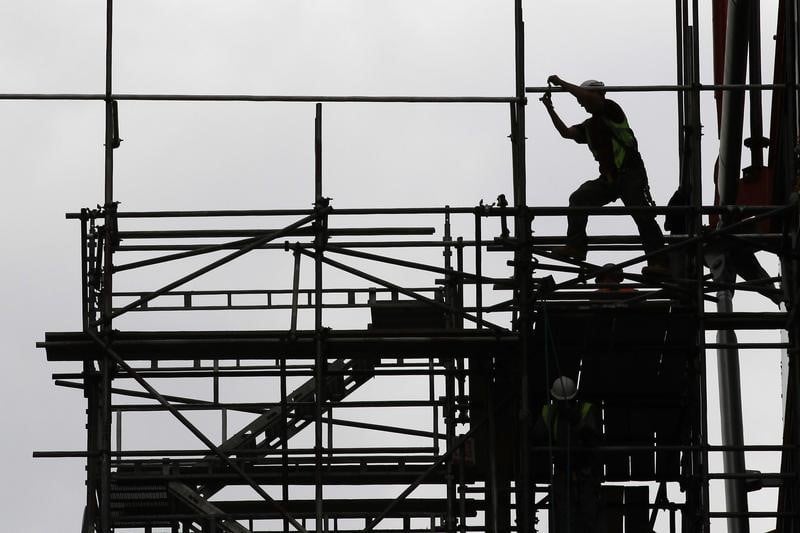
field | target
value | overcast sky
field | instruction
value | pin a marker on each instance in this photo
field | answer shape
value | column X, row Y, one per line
column 260, row 155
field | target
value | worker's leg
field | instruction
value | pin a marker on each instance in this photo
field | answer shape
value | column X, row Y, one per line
column 588, row 515
column 559, row 516
column 633, row 189
column 593, row 193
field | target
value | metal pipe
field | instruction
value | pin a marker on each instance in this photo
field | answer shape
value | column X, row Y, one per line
column 300, row 373
column 109, row 208
column 380, row 427
column 478, row 270
column 695, row 144
column 434, row 405
column 790, row 267
column 688, row 87
column 730, row 149
column 300, row 232
column 756, row 122
column 484, row 212
column 493, row 485
column 284, row 407
column 364, row 99
column 263, row 98
column 459, row 377
column 215, row 382
column 731, row 416
column 458, row 274
column 522, row 275
column 204, row 249
column 679, row 78
column 320, row 240
column 450, row 428
column 449, row 407
column 594, row 240
column 405, row 451
column 730, row 153
column 295, row 287
column 697, row 496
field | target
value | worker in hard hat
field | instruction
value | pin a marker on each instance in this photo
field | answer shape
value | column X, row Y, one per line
column 610, row 279
column 573, row 429
column 622, row 174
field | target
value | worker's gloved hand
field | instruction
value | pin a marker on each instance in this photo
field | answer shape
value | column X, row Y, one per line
column 554, row 80
column 547, row 100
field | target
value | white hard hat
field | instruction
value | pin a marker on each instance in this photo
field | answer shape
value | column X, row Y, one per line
column 593, row 83
column 563, row 388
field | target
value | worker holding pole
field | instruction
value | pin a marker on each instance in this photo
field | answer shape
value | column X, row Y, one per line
column 573, row 429
column 622, row 172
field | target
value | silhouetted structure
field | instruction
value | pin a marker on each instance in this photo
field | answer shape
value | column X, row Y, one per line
column 488, row 365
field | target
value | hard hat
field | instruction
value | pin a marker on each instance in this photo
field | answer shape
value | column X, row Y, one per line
column 563, row 388
column 612, row 274
column 593, row 83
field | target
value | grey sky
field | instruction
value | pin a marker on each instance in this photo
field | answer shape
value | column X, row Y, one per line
column 260, row 155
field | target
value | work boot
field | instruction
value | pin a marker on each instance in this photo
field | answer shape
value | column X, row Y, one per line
column 657, row 267
column 569, row 252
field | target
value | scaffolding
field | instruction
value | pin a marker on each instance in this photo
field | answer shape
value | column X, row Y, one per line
column 485, row 362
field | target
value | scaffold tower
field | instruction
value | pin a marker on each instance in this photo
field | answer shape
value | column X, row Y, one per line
column 471, row 353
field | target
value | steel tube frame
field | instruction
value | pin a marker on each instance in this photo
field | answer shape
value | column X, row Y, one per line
column 112, row 355
column 460, row 441
column 98, row 446
column 216, row 264
column 401, row 290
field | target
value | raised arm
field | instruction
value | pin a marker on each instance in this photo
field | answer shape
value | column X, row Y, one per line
column 570, row 132
column 590, row 99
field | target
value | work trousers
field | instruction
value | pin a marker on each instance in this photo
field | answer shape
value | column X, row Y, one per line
column 576, row 502
column 631, row 187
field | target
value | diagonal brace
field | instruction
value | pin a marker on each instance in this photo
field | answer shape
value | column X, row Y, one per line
column 218, row 263
column 194, row 430
column 439, row 460
column 412, row 294
column 409, row 264
column 183, row 255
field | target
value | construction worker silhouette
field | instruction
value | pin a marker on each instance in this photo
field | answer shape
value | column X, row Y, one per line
column 622, row 172
column 573, row 429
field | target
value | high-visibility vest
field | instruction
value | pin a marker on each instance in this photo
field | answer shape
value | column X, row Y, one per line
column 622, row 140
column 552, row 425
